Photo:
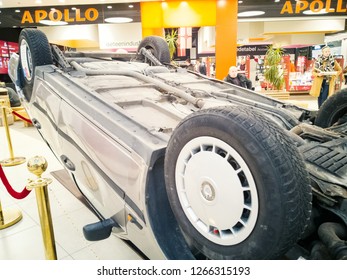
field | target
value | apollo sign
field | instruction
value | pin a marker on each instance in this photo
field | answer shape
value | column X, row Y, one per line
column 67, row 15
column 316, row 6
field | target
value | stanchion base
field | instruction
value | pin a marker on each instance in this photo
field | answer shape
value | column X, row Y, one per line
column 11, row 217
column 13, row 161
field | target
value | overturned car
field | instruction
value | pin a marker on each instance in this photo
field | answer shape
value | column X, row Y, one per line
column 184, row 166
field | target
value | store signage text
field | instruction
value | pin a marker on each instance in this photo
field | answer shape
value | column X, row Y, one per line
column 252, row 50
column 90, row 14
column 315, row 6
column 123, row 44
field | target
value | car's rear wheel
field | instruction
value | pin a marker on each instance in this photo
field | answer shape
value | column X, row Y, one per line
column 333, row 111
column 34, row 50
column 157, row 46
column 237, row 185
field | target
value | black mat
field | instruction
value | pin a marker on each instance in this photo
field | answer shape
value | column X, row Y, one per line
column 64, row 178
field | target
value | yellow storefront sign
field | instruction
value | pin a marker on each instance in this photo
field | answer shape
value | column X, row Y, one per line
column 315, row 7
column 90, row 14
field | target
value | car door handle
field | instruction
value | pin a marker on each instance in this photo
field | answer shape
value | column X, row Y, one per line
column 36, row 123
column 67, row 163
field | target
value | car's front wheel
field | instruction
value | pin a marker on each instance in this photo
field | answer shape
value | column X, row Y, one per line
column 237, row 185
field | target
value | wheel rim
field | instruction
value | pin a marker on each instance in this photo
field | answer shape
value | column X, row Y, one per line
column 220, row 202
column 153, row 51
column 26, row 60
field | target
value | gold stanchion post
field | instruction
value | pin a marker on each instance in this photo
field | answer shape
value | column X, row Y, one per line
column 37, row 165
column 12, row 160
column 9, row 217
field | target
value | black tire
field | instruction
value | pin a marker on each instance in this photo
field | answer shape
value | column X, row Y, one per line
column 271, row 179
column 333, row 110
column 13, row 96
column 158, row 46
column 34, row 50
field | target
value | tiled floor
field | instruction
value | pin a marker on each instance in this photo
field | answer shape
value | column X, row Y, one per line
column 23, row 241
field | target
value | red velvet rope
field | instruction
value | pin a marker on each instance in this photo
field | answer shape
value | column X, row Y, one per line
column 11, row 191
column 21, row 117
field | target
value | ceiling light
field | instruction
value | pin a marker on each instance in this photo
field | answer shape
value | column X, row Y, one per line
column 52, row 22
column 309, row 12
column 17, row 11
column 118, row 20
column 277, row 1
column 240, row 2
column 109, row 7
column 251, row 14
column 131, row 6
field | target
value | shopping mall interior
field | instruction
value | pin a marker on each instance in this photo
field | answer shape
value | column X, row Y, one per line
column 221, row 33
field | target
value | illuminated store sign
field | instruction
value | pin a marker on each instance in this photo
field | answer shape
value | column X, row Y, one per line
column 90, row 14
column 102, row 13
column 316, row 6
column 69, row 15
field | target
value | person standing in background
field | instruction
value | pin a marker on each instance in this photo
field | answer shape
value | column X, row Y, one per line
column 202, row 67
column 242, row 65
column 197, row 65
column 189, row 64
column 325, row 71
column 238, row 79
column 345, row 74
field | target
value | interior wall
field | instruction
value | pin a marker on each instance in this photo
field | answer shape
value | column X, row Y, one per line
column 250, row 31
column 206, row 39
column 304, row 26
column 298, row 39
column 73, row 36
column 126, row 36
column 290, row 32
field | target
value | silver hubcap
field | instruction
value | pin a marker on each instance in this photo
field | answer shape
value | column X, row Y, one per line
column 216, row 190
column 26, row 60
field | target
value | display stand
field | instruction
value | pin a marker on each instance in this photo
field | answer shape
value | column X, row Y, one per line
column 12, row 161
column 37, row 165
column 9, row 217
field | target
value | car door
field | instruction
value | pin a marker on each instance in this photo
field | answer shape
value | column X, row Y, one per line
column 44, row 110
column 107, row 173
